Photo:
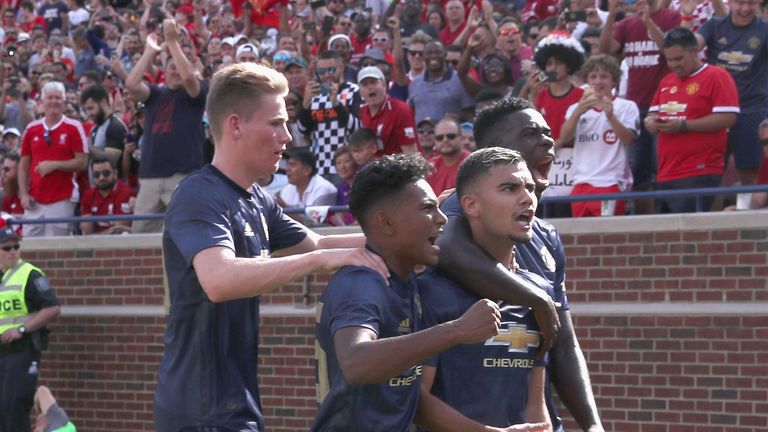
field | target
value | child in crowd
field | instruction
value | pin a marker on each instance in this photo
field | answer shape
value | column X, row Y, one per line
column 362, row 145
column 603, row 126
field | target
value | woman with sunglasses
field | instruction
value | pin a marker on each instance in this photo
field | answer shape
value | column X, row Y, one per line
column 27, row 305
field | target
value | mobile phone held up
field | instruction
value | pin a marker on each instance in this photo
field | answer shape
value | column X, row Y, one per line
column 576, row 16
column 546, row 76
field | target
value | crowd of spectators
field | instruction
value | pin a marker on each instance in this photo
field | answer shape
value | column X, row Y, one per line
column 103, row 107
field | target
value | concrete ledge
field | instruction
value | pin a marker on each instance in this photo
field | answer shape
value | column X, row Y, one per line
column 657, row 223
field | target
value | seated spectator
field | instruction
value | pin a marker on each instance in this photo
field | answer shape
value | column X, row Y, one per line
column 273, row 183
column 51, row 417
column 362, row 146
column 108, row 196
column 426, row 131
column 603, row 127
column 347, row 170
column 305, row 187
column 450, row 152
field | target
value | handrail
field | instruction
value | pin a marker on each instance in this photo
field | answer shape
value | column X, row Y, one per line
column 545, row 201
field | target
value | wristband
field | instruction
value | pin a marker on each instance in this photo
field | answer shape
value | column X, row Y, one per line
column 687, row 17
column 683, row 127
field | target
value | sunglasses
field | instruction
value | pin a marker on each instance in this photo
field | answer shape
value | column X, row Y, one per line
column 282, row 57
column 103, row 173
column 425, row 131
column 329, row 70
column 11, row 247
column 416, row 53
column 449, row 136
column 507, row 32
column 47, row 136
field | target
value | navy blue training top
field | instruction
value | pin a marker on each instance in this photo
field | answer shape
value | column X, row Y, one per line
column 207, row 375
column 360, row 297
column 501, row 366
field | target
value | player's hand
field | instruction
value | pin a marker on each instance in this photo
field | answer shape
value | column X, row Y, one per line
column 548, row 322
column 45, row 167
column 480, row 322
column 10, row 335
column 334, row 259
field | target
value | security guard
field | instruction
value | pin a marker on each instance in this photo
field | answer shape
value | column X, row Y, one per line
column 27, row 305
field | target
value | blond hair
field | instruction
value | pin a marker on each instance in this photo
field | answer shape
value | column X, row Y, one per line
column 237, row 89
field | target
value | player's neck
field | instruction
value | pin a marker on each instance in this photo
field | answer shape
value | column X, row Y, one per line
column 503, row 249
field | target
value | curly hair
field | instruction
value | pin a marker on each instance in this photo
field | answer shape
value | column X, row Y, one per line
column 383, row 179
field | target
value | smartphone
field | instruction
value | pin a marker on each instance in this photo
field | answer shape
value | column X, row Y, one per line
column 542, row 77
column 576, row 16
column 327, row 24
column 547, row 76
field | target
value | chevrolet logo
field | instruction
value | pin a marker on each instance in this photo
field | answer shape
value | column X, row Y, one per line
column 673, row 108
column 516, row 337
column 734, row 57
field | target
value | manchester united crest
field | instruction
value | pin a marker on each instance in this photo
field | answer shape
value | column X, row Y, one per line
column 692, row 88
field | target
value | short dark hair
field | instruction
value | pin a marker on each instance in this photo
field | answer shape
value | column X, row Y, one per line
column 480, row 162
column 96, row 93
column 111, row 163
column 383, row 179
column 681, row 37
column 489, row 116
column 360, row 137
column 13, row 155
column 329, row 55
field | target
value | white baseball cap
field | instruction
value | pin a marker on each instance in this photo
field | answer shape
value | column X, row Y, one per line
column 369, row 72
column 246, row 48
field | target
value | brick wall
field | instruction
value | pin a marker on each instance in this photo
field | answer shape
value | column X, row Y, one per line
column 670, row 311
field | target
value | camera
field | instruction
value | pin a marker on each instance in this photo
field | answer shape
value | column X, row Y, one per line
column 11, row 50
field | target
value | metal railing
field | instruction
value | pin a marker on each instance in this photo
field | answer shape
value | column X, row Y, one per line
column 628, row 196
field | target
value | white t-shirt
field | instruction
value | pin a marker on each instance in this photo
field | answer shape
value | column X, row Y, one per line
column 78, row 16
column 320, row 192
column 599, row 158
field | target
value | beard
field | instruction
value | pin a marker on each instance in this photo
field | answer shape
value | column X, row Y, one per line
column 106, row 186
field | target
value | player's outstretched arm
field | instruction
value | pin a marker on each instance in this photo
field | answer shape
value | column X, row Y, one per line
column 366, row 359
column 468, row 264
column 437, row 416
column 570, row 375
column 224, row 276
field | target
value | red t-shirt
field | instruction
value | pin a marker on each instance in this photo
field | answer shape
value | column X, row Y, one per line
column 709, row 90
column 116, row 203
column 647, row 65
column 66, row 139
column 393, row 125
column 12, row 205
column 553, row 108
column 443, row 176
column 448, row 37
column 38, row 20
column 762, row 175
column 359, row 46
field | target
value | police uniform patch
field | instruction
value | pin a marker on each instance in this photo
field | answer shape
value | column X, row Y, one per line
column 42, row 284
column 547, row 258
